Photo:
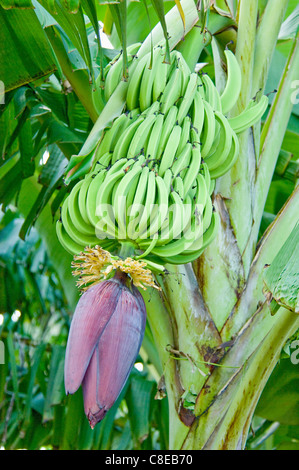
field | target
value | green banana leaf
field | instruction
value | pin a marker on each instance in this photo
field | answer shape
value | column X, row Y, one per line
column 280, row 398
column 24, row 42
column 281, row 278
column 7, row 4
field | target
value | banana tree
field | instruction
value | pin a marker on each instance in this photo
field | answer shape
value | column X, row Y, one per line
column 221, row 305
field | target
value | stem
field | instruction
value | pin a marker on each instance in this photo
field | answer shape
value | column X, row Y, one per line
column 78, row 79
column 221, row 259
column 162, row 329
column 225, row 404
column 195, row 41
column 273, row 239
column 127, row 250
column 266, row 39
column 232, row 432
column 271, row 140
column 175, row 27
column 194, row 337
column 245, row 49
column 237, row 185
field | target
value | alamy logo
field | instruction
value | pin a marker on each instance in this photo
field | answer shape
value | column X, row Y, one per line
column 295, row 94
column 295, row 354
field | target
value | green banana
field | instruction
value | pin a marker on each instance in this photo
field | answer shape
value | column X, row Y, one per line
column 184, row 67
column 82, row 197
column 206, row 175
column 113, row 71
column 178, row 186
column 147, row 81
column 151, row 150
column 122, row 145
column 168, row 177
column 111, row 134
column 208, row 236
column 101, row 201
column 187, row 99
column 211, row 93
column 134, row 82
column 148, row 203
column 160, row 79
column 139, row 138
column 232, row 88
column 189, row 256
column 184, row 238
column 170, row 149
column 201, row 194
column 230, row 160
column 180, row 221
column 120, row 205
column 207, row 214
column 181, row 161
column 79, row 237
column 160, row 209
column 137, row 203
column 91, row 196
column 194, row 167
column 75, row 212
column 222, row 150
column 185, row 135
column 208, row 132
column 172, row 91
column 112, row 78
column 66, row 241
column 198, row 113
column 169, row 122
column 251, row 114
column 200, row 88
column 212, row 186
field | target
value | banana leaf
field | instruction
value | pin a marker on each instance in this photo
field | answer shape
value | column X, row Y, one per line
column 24, row 42
column 281, row 278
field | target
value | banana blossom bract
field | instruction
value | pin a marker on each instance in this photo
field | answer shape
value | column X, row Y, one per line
column 105, row 336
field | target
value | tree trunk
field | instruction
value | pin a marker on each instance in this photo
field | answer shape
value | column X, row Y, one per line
column 215, row 371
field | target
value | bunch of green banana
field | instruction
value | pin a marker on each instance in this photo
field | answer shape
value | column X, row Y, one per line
column 162, row 216
column 154, row 169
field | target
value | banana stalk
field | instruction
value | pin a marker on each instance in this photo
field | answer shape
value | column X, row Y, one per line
column 221, row 258
column 249, row 345
column 269, row 245
column 266, row 38
column 271, row 140
column 242, row 174
column 226, row 423
column 196, row 40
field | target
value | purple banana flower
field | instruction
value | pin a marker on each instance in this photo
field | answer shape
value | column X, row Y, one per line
column 105, row 336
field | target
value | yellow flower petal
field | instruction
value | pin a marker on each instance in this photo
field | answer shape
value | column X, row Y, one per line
column 95, row 264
